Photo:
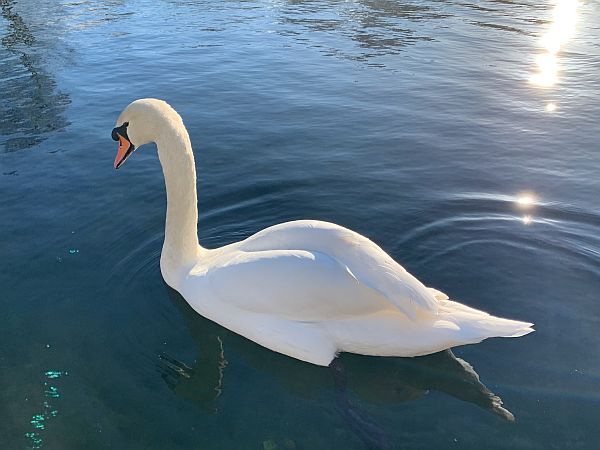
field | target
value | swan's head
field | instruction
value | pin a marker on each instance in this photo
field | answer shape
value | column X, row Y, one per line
column 141, row 122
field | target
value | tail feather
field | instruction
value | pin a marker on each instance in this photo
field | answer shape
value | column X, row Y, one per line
column 476, row 325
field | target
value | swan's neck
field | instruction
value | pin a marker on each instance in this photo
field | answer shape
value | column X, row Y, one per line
column 181, row 248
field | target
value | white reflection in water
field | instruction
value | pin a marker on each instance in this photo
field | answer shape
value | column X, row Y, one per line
column 525, row 200
column 562, row 28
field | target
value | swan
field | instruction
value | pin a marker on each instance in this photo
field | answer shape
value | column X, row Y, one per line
column 307, row 289
column 382, row 381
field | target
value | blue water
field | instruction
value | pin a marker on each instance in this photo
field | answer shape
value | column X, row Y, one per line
column 427, row 126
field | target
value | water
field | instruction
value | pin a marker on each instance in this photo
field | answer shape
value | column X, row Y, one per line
column 427, row 126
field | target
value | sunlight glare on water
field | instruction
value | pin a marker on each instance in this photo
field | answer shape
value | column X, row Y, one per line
column 526, row 200
column 560, row 32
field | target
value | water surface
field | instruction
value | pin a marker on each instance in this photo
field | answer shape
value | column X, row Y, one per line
column 460, row 136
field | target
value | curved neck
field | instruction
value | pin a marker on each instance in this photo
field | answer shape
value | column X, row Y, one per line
column 181, row 247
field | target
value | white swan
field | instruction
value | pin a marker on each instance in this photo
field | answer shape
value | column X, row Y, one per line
column 307, row 289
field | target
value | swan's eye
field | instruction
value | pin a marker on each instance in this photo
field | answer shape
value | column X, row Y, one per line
column 122, row 130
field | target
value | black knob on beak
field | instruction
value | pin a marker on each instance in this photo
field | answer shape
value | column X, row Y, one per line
column 122, row 130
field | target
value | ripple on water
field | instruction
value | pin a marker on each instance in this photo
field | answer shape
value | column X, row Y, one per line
column 136, row 265
column 135, row 280
column 543, row 228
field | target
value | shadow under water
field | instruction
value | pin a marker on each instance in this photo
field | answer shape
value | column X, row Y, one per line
column 31, row 106
column 373, row 380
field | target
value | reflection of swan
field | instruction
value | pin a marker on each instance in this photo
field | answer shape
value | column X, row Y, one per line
column 372, row 380
column 307, row 289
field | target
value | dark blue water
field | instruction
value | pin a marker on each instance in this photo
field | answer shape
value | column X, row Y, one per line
column 428, row 126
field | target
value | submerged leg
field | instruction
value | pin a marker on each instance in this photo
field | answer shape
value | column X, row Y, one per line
column 372, row 435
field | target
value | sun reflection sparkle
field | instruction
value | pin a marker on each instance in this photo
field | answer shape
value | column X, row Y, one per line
column 562, row 28
column 525, row 200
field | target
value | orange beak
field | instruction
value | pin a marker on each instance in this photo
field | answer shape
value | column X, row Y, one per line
column 123, row 151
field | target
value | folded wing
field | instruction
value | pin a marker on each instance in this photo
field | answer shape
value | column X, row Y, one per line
column 365, row 260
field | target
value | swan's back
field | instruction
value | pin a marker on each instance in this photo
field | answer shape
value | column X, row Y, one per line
column 364, row 259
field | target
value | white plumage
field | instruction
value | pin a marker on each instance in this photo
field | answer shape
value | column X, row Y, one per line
column 307, row 289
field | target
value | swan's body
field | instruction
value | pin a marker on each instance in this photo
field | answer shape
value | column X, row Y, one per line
column 307, row 289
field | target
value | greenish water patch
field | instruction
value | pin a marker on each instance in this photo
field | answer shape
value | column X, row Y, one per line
column 39, row 421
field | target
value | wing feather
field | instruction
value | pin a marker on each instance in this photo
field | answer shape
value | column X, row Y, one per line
column 364, row 259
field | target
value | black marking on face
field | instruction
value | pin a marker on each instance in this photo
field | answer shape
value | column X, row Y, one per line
column 122, row 130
